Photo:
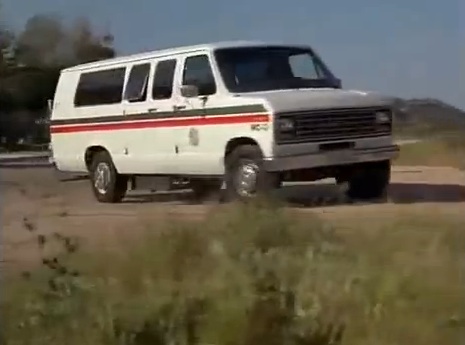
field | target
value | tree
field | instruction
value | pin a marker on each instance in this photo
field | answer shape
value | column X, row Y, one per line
column 30, row 64
column 87, row 45
column 41, row 42
column 6, row 42
column 45, row 41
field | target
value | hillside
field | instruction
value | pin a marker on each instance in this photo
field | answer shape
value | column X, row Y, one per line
column 428, row 117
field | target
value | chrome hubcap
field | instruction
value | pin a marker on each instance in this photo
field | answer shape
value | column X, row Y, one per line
column 246, row 179
column 102, row 176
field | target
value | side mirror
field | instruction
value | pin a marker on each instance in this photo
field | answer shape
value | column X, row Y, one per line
column 338, row 83
column 189, row 91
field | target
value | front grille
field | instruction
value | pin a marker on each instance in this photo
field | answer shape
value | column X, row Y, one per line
column 331, row 125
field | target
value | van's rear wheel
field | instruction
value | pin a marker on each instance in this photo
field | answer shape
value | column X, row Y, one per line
column 245, row 176
column 107, row 185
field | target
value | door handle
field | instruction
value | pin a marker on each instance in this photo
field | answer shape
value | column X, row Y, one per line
column 152, row 110
column 179, row 107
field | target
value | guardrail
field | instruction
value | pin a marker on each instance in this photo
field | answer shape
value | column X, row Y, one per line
column 25, row 160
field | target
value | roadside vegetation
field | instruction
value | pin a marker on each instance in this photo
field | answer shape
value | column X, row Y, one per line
column 31, row 58
column 446, row 150
column 440, row 129
column 250, row 275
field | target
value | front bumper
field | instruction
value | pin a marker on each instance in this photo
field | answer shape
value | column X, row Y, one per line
column 331, row 158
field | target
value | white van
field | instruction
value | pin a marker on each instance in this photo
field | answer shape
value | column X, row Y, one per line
column 247, row 114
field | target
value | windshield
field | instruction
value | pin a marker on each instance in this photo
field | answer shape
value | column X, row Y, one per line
column 252, row 69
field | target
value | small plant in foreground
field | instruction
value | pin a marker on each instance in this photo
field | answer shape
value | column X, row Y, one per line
column 51, row 305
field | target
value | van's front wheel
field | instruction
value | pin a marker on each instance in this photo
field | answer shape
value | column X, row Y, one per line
column 107, row 185
column 246, row 177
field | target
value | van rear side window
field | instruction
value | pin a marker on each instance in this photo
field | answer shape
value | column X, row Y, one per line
column 100, row 88
column 163, row 79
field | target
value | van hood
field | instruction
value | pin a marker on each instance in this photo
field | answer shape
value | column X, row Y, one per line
column 309, row 99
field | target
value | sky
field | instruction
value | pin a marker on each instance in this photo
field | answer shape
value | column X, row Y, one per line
column 404, row 48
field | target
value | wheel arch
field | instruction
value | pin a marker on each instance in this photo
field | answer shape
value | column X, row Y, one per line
column 239, row 141
column 90, row 153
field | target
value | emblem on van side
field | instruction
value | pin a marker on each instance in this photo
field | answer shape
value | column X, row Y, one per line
column 193, row 136
column 259, row 127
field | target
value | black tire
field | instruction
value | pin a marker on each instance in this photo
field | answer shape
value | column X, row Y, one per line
column 371, row 182
column 117, row 184
column 265, row 181
column 203, row 188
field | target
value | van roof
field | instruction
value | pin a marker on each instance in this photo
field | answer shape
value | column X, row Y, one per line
column 169, row 51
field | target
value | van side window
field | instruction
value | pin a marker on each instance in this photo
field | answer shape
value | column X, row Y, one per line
column 198, row 72
column 136, row 87
column 163, row 79
column 101, row 87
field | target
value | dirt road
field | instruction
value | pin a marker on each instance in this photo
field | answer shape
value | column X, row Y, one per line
column 36, row 199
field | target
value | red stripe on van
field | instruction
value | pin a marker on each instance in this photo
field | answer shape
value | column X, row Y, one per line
column 157, row 123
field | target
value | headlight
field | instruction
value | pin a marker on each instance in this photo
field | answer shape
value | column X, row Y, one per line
column 383, row 117
column 285, row 125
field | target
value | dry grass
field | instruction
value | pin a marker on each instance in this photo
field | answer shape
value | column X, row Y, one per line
column 434, row 152
column 251, row 274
